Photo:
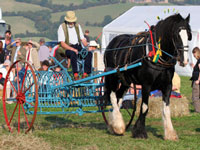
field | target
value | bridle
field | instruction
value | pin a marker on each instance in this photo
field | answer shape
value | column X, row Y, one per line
column 179, row 48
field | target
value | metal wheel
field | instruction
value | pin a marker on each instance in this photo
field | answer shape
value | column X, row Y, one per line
column 20, row 97
column 127, row 112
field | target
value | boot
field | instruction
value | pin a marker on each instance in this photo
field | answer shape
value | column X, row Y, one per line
column 196, row 104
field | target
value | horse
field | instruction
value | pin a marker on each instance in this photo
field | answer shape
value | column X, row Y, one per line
column 170, row 36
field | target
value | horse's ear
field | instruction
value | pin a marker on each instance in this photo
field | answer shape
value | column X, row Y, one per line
column 188, row 18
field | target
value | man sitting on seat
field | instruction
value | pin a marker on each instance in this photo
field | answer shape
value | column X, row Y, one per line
column 71, row 38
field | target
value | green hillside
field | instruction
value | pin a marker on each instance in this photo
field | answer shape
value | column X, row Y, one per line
column 67, row 2
column 20, row 24
column 89, row 14
column 13, row 6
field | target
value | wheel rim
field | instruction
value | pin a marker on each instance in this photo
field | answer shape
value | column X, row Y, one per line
column 24, row 98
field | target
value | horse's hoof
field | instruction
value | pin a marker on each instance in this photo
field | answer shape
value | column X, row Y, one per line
column 172, row 136
column 142, row 134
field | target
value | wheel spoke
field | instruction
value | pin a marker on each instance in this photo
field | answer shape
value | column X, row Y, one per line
column 13, row 87
column 17, row 78
column 24, row 77
column 128, row 111
column 13, row 114
column 19, row 120
column 25, row 116
column 28, row 88
column 29, row 103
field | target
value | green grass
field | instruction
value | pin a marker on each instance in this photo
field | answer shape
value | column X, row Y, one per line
column 13, row 6
column 20, row 26
column 67, row 2
column 95, row 15
column 90, row 132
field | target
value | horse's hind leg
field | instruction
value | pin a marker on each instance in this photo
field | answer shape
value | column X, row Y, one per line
column 170, row 133
column 116, row 122
column 139, row 130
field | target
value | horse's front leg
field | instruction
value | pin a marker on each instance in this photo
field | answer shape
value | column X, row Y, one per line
column 139, row 130
column 170, row 133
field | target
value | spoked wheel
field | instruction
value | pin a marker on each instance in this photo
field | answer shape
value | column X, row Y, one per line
column 127, row 111
column 20, row 97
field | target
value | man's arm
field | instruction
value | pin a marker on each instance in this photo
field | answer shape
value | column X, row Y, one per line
column 66, row 46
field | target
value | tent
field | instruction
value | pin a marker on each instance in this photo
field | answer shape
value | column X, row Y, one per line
column 132, row 22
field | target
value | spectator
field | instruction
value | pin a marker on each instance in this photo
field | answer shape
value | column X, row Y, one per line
column 45, row 65
column 17, row 52
column 86, row 35
column 59, row 54
column 43, row 51
column 93, row 46
column 2, row 53
column 8, row 41
column 196, row 80
column 71, row 39
column 32, row 54
column 3, row 72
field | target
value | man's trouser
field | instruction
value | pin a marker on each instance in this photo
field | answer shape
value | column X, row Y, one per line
column 73, row 57
column 196, row 96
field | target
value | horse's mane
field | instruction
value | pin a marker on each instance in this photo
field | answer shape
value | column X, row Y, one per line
column 167, row 26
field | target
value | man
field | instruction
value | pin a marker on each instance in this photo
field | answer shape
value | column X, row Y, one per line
column 86, row 35
column 32, row 54
column 43, row 51
column 71, row 38
column 8, row 41
column 17, row 52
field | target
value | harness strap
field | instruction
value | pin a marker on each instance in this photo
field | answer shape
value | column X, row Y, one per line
column 121, row 77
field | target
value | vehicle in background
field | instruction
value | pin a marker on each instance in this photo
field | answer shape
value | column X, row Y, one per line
column 3, row 28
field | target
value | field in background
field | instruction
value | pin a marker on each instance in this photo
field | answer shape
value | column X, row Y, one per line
column 92, row 15
column 20, row 24
column 13, row 6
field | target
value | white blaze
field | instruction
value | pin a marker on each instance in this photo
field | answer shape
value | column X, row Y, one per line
column 184, row 38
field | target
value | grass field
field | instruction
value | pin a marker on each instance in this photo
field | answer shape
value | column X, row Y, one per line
column 20, row 26
column 67, row 2
column 95, row 15
column 89, row 132
column 13, row 6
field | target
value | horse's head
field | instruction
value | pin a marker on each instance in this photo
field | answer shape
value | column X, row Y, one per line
column 182, row 34
column 175, row 30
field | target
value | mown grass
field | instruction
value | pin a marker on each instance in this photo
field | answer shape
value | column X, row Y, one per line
column 90, row 132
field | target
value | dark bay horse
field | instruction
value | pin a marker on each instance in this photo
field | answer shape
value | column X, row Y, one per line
column 171, row 35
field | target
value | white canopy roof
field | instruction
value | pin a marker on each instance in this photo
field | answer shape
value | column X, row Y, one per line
column 132, row 22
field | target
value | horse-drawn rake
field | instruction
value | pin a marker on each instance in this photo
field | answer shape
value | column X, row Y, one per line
column 50, row 92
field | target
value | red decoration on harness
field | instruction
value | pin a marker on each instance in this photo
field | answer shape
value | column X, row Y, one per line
column 152, row 53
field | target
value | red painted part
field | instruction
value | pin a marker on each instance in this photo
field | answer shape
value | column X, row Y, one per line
column 154, row 52
column 21, row 100
column 98, row 36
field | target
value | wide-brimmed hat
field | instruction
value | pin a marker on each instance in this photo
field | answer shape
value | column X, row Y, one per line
column 94, row 43
column 70, row 16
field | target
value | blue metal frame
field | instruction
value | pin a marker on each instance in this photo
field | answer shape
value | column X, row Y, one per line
column 59, row 94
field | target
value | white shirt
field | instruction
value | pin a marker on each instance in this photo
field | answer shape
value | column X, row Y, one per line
column 15, row 57
column 4, row 73
column 73, row 38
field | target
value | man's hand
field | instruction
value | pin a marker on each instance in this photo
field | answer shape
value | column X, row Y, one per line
column 75, row 50
column 19, row 53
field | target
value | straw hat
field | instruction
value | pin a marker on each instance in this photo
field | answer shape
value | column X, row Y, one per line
column 94, row 43
column 70, row 16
